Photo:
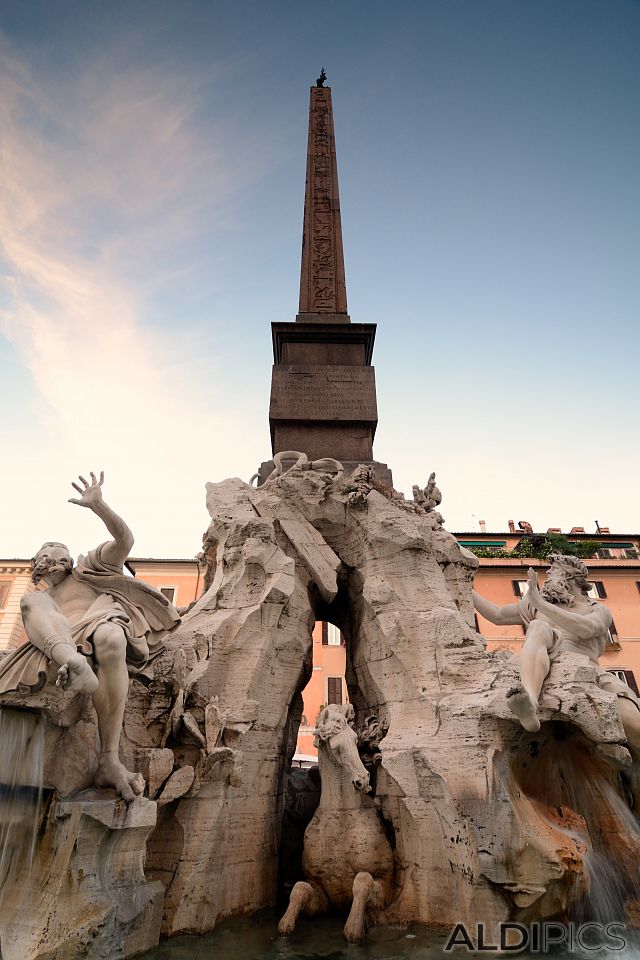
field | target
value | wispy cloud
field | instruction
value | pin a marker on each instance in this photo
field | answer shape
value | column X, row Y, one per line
column 102, row 179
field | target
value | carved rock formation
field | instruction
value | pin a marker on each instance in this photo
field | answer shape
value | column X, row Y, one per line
column 473, row 840
column 461, row 787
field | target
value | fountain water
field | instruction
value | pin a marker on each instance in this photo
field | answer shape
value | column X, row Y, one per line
column 21, row 772
column 562, row 771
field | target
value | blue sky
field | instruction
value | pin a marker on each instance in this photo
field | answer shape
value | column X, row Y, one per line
column 153, row 181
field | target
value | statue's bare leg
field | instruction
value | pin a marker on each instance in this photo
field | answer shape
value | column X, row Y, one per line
column 48, row 629
column 367, row 894
column 534, row 667
column 110, row 646
column 306, row 898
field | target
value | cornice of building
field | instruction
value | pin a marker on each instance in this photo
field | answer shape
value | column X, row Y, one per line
column 489, row 535
column 526, row 562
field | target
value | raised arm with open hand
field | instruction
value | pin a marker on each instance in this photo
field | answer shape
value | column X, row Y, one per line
column 92, row 493
column 116, row 552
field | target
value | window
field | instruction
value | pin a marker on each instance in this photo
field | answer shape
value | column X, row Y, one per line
column 169, row 593
column 334, row 690
column 627, row 677
column 304, row 722
column 520, row 587
column 475, row 620
column 5, row 587
column 618, row 551
column 612, row 635
column 596, row 590
column 331, row 636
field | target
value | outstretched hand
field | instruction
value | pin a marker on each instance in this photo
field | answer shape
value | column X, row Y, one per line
column 92, row 493
column 533, row 592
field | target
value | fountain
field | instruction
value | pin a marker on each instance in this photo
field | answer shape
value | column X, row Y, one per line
column 487, row 822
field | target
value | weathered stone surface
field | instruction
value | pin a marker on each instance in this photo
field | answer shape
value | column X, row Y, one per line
column 488, row 821
column 177, row 785
column 453, row 783
column 87, row 895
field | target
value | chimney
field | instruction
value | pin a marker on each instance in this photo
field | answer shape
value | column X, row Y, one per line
column 554, row 530
column 483, row 526
column 512, row 526
column 604, row 530
column 576, row 530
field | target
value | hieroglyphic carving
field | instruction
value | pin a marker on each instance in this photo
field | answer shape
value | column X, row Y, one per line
column 322, row 286
column 323, row 279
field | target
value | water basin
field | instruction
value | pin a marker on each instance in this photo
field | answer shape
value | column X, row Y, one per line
column 321, row 939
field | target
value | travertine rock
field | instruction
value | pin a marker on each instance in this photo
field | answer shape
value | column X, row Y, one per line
column 478, row 833
column 451, row 781
column 87, row 895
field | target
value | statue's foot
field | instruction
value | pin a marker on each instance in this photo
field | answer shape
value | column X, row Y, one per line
column 77, row 675
column 286, row 926
column 524, row 707
column 112, row 773
column 354, row 930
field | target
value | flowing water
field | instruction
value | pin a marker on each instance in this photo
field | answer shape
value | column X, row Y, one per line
column 561, row 771
column 21, row 770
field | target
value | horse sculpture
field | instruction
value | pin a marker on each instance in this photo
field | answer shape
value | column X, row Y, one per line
column 347, row 859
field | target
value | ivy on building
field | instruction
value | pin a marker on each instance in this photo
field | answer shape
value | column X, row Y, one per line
column 538, row 546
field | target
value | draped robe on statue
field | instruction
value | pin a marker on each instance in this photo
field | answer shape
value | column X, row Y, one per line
column 144, row 614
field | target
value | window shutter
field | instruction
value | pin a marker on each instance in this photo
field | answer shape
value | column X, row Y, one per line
column 334, row 690
column 631, row 680
column 5, row 587
column 599, row 585
column 516, row 588
column 325, row 635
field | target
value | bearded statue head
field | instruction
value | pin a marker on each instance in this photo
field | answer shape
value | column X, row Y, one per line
column 565, row 575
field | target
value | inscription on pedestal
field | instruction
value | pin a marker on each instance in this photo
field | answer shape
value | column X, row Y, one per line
column 323, row 393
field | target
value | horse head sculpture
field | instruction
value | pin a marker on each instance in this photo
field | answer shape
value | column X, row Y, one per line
column 337, row 743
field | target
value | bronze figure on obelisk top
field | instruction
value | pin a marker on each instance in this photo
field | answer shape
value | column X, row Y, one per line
column 323, row 388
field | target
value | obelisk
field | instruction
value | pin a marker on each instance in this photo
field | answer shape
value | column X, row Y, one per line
column 323, row 388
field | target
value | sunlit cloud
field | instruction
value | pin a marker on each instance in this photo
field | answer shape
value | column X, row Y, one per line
column 99, row 181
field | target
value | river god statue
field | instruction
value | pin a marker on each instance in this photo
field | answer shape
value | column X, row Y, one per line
column 96, row 625
column 561, row 617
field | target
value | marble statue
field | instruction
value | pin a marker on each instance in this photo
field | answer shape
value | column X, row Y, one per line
column 347, row 859
column 95, row 625
column 557, row 618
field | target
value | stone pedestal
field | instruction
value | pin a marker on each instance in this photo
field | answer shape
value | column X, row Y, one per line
column 323, row 389
column 87, row 895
